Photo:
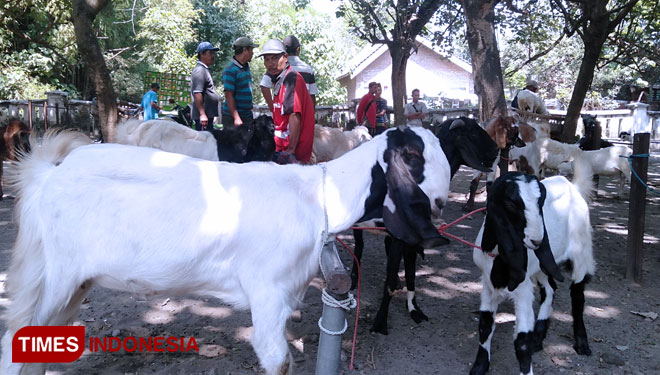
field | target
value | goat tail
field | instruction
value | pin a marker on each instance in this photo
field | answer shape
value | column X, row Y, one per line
column 25, row 279
column 582, row 177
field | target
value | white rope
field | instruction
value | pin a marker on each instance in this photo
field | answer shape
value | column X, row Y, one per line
column 347, row 304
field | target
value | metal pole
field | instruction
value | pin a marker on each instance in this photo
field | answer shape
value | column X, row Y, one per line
column 637, row 208
column 333, row 320
column 45, row 116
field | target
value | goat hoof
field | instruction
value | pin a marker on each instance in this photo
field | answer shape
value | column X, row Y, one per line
column 379, row 328
column 467, row 208
column 582, row 347
column 418, row 316
column 479, row 368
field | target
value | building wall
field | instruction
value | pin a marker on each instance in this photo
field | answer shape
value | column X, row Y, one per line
column 426, row 70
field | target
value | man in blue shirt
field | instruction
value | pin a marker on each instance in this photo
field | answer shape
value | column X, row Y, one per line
column 237, row 81
column 150, row 103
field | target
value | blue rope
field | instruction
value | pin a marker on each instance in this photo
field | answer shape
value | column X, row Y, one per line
column 630, row 158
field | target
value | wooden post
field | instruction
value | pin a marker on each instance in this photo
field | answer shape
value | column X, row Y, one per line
column 30, row 113
column 637, row 209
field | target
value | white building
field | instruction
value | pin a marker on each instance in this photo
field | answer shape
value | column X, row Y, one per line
column 433, row 73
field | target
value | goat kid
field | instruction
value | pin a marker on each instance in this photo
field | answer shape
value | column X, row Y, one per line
column 464, row 142
column 610, row 161
column 219, row 225
column 530, row 227
column 14, row 139
column 250, row 142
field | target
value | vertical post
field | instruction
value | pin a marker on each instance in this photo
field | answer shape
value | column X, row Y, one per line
column 45, row 116
column 637, row 208
column 57, row 114
column 333, row 319
column 30, row 112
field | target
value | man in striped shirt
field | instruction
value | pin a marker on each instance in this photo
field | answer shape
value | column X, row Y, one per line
column 292, row 46
column 237, row 80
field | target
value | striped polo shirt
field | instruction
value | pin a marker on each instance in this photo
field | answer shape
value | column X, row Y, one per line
column 237, row 78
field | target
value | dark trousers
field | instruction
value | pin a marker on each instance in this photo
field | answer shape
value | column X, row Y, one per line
column 379, row 129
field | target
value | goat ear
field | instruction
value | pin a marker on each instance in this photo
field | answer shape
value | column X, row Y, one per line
column 513, row 253
column 489, row 238
column 547, row 260
column 409, row 219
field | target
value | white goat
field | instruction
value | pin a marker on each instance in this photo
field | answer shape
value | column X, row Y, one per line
column 545, row 153
column 249, row 234
column 530, row 102
column 168, row 136
column 609, row 161
column 331, row 143
column 530, row 227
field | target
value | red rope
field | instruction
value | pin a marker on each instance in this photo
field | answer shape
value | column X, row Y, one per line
column 442, row 229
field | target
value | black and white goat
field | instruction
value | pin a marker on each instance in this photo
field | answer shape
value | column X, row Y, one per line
column 464, row 142
column 177, row 225
column 530, row 227
column 250, row 142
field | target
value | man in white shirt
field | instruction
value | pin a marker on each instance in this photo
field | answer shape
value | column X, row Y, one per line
column 415, row 111
column 292, row 46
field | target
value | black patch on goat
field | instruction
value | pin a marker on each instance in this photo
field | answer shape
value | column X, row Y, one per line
column 464, row 142
column 250, row 142
column 411, row 220
column 373, row 206
column 261, row 146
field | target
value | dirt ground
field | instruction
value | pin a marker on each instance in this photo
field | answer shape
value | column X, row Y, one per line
column 448, row 292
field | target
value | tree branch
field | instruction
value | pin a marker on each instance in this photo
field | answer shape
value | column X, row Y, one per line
column 535, row 57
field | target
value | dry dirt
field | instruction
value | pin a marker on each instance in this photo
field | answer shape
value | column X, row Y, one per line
column 448, row 292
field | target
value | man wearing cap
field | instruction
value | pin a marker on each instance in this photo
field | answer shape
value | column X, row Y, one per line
column 292, row 48
column 205, row 99
column 293, row 109
column 150, row 103
column 237, row 79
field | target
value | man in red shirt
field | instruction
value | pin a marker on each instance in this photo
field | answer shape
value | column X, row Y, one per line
column 293, row 113
column 367, row 107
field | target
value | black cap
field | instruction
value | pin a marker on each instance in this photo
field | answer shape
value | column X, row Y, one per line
column 291, row 43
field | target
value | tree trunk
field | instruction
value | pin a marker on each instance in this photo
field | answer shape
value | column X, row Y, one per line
column 83, row 14
column 594, row 37
column 400, row 57
column 486, row 66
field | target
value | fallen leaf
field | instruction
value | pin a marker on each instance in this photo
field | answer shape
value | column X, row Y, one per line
column 651, row 315
column 559, row 362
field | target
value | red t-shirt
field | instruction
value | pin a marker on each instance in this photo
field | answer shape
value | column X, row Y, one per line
column 371, row 111
column 293, row 97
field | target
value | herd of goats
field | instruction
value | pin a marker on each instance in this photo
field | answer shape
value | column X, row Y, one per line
column 202, row 213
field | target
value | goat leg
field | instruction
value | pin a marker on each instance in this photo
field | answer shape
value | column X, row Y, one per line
column 577, row 309
column 359, row 248
column 469, row 206
column 395, row 253
column 409, row 264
